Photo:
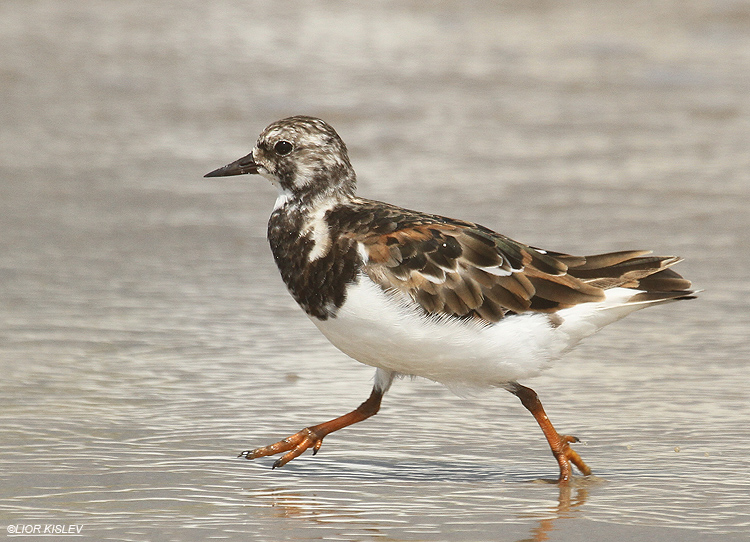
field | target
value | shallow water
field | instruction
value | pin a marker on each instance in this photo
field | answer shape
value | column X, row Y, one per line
column 146, row 338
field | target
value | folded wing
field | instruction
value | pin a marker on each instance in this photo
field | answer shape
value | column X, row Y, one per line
column 463, row 270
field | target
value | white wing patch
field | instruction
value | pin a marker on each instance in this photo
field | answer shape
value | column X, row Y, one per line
column 499, row 271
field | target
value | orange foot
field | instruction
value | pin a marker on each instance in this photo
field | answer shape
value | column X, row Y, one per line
column 312, row 437
column 559, row 444
column 294, row 445
column 566, row 455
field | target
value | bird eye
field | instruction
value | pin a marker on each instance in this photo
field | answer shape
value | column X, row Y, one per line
column 283, row 147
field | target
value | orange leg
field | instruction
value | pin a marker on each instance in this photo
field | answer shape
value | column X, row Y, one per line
column 312, row 437
column 560, row 444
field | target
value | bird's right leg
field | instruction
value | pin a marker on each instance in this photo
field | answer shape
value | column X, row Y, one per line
column 560, row 444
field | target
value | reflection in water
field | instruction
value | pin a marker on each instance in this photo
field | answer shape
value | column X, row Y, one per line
column 326, row 507
column 571, row 496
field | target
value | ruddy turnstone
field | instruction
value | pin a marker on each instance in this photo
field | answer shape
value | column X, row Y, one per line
column 412, row 293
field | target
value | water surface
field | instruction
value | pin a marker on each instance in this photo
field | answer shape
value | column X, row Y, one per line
column 146, row 338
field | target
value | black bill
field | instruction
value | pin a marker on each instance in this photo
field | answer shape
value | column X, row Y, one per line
column 244, row 165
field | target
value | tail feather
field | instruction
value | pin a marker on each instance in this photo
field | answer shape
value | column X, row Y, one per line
column 604, row 261
column 635, row 270
column 628, row 281
column 666, row 280
column 586, row 319
column 657, row 297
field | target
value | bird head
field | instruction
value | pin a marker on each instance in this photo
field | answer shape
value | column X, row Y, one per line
column 302, row 156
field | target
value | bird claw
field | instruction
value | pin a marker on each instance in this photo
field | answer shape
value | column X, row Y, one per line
column 566, row 455
column 294, row 445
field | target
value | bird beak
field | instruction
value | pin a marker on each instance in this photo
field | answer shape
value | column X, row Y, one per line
column 244, row 165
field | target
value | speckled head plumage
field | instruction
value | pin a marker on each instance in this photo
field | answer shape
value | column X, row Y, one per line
column 302, row 156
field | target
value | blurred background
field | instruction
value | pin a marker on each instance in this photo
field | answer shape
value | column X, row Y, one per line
column 146, row 338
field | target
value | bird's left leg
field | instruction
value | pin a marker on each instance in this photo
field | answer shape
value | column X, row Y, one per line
column 312, row 437
column 560, row 444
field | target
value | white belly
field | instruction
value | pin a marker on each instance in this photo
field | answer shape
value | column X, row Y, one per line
column 379, row 329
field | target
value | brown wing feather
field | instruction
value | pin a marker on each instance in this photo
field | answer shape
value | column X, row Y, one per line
column 465, row 270
column 460, row 271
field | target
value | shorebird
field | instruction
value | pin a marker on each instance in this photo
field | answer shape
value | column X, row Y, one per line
column 412, row 293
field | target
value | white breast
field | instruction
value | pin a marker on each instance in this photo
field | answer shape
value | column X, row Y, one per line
column 381, row 329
